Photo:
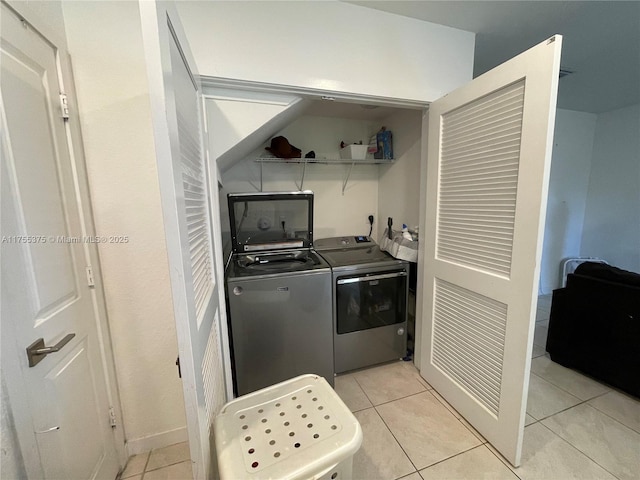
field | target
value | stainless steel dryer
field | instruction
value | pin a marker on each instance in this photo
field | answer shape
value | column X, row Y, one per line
column 278, row 292
column 370, row 297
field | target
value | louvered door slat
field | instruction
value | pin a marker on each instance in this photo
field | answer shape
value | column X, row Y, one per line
column 479, row 336
column 496, row 101
column 486, row 360
column 196, row 217
column 498, row 121
column 465, row 220
column 497, row 159
column 478, row 171
column 477, row 139
column 453, row 366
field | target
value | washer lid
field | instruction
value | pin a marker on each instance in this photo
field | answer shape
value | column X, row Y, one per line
column 356, row 256
column 336, row 243
column 271, row 221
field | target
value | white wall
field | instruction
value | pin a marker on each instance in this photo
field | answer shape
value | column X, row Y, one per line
column 334, row 213
column 327, row 45
column 235, row 115
column 612, row 215
column 105, row 43
column 399, row 185
column 568, row 183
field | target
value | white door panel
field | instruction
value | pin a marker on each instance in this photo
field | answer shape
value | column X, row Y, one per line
column 77, row 425
column 489, row 151
column 45, row 293
column 188, row 208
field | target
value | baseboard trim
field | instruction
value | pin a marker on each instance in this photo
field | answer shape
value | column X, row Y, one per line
column 158, row 440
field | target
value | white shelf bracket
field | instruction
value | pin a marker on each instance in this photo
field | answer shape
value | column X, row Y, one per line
column 304, row 170
column 259, row 189
column 346, row 180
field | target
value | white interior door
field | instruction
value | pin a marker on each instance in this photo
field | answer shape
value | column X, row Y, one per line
column 489, row 154
column 190, row 211
column 60, row 401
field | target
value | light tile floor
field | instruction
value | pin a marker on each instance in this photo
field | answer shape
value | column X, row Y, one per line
column 576, row 428
column 169, row 463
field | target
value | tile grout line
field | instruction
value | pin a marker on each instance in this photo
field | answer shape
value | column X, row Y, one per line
column 453, row 456
column 582, row 402
column 399, row 398
column 531, row 372
column 586, row 402
column 389, row 401
column 504, row 461
column 482, row 440
column 169, row 465
column 385, row 423
column 567, row 391
column 397, row 441
column 576, row 448
column 449, row 411
column 120, row 477
column 607, row 415
column 363, row 391
column 558, row 412
column 144, row 470
column 163, row 466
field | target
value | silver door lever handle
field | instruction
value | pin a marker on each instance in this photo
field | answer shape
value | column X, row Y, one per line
column 37, row 351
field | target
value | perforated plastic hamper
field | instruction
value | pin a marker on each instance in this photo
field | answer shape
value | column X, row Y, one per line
column 297, row 429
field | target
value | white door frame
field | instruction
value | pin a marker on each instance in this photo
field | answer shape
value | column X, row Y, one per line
column 14, row 383
column 210, row 83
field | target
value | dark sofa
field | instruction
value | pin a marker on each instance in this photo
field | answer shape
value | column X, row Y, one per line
column 594, row 325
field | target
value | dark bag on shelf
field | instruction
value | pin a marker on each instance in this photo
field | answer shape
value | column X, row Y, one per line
column 281, row 148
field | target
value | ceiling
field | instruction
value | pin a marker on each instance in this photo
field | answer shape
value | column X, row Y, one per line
column 601, row 41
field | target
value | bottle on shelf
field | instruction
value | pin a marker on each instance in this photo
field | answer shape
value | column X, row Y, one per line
column 405, row 232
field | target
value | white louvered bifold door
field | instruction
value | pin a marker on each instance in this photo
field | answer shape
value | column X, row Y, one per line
column 192, row 227
column 489, row 155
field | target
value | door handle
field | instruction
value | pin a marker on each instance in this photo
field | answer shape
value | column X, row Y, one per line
column 37, row 351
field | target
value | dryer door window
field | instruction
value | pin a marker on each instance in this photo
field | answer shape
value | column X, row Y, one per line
column 370, row 301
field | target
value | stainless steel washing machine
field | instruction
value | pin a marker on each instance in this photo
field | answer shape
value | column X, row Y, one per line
column 370, row 295
column 278, row 292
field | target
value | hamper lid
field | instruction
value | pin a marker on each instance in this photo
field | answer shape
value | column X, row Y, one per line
column 292, row 430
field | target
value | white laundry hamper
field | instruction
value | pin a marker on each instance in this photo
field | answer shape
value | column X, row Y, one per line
column 297, row 429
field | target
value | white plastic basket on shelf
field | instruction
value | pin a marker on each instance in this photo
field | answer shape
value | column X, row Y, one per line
column 297, row 429
column 569, row 265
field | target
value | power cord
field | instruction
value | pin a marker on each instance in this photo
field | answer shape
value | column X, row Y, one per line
column 370, row 224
